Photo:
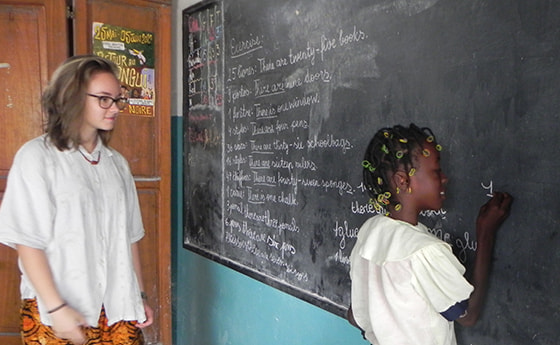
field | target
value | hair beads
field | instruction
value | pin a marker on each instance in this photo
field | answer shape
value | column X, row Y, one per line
column 384, row 198
column 368, row 166
column 391, row 150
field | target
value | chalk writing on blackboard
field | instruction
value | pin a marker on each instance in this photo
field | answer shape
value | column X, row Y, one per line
column 489, row 188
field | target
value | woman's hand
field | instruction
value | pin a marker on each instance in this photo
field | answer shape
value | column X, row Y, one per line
column 149, row 317
column 67, row 323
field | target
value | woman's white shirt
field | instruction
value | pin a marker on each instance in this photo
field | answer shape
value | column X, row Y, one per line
column 85, row 218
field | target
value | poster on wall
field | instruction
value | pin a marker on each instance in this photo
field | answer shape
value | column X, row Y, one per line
column 133, row 52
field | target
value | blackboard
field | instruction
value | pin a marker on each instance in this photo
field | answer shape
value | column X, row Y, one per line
column 282, row 97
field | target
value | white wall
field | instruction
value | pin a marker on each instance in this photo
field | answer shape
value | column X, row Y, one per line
column 177, row 50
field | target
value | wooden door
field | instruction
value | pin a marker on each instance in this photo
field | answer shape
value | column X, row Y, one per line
column 144, row 139
column 33, row 41
column 36, row 38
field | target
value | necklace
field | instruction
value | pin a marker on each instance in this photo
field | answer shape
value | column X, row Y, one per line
column 92, row 162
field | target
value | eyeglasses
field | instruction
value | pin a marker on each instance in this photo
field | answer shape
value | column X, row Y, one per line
column 106, row 102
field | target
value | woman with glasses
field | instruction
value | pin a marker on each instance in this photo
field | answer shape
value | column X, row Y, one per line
column 71, row 211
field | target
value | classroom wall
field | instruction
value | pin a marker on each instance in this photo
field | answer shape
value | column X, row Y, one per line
column 215, row 305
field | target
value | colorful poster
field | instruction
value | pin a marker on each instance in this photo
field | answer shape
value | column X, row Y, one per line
column 133, row 52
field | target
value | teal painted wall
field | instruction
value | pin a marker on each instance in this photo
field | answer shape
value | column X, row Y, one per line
column 215, row 305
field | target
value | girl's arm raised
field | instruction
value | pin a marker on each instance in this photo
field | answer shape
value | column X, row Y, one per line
column 491, row 216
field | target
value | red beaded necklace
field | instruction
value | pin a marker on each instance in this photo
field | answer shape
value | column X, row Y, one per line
column 92, row 162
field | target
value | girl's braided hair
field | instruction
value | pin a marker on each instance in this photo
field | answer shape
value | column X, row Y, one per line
column 389, row 150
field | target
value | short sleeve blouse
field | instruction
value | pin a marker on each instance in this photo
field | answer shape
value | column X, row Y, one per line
column 403, row 277
column 84, row 217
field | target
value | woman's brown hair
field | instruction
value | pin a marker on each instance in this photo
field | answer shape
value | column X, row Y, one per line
column 63, row 100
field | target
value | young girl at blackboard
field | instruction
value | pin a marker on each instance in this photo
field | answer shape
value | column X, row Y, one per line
column 407, row 286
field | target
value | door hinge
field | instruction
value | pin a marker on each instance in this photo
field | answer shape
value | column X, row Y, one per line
column 69, row 12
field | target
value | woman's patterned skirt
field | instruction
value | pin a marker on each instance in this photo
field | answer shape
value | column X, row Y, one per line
column 35, row 333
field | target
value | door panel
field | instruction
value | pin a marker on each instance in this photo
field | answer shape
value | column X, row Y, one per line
column 145, row 142
column 150, row 268
column 23, row 73
column 136, row 136
column 30, row 32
